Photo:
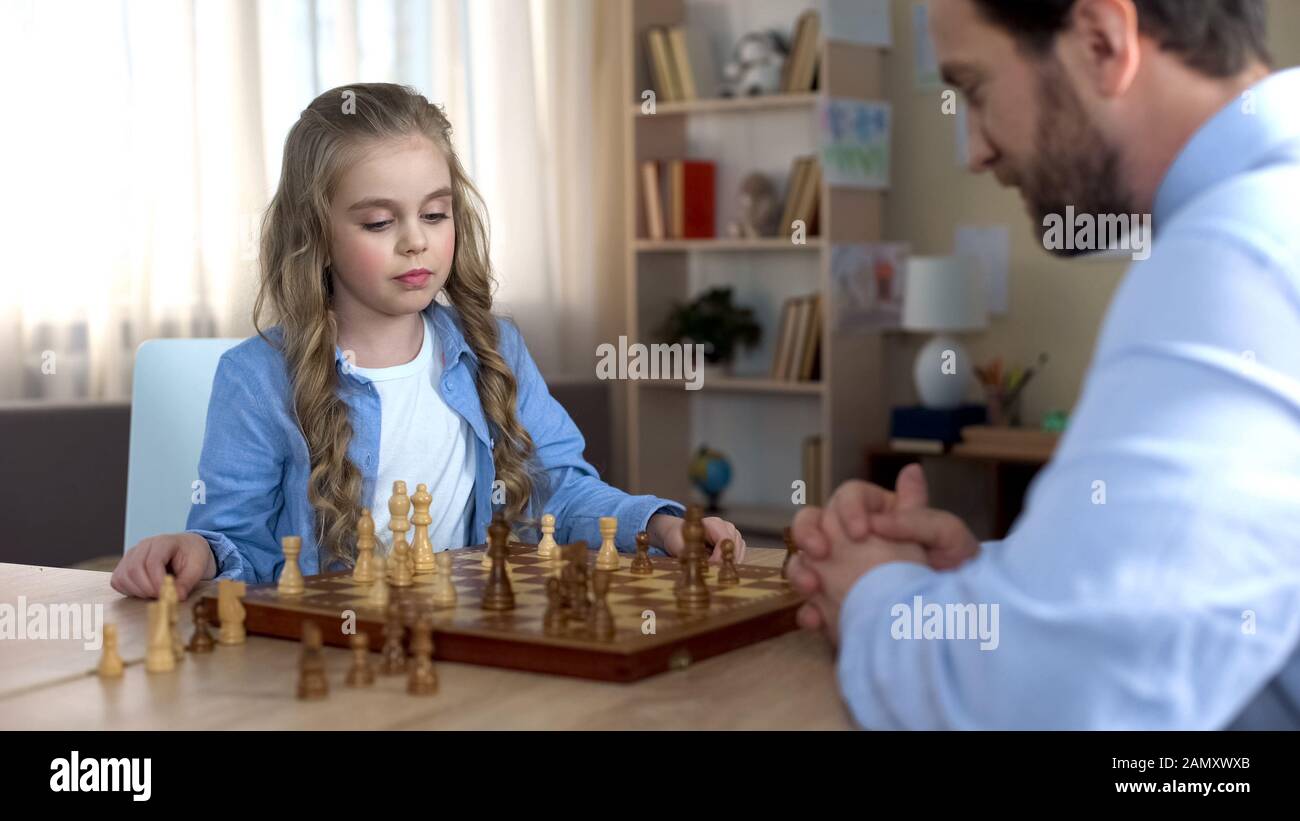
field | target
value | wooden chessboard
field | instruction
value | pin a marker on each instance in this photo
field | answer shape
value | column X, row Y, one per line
column 762, row 605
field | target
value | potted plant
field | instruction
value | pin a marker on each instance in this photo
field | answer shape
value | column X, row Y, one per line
column 712, row 321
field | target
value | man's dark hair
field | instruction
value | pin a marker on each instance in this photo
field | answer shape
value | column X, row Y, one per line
column 1215, row 37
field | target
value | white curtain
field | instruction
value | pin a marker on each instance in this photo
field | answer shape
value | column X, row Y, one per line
column 142, row 140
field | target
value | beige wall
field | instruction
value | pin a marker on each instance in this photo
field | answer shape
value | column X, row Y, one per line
column 1055, row 306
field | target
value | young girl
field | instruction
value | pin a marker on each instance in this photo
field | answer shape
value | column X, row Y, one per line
column 369, row 378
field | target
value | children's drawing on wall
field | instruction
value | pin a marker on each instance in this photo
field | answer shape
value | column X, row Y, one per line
column 867, row 285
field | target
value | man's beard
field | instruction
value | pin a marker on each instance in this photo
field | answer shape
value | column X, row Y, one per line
column 1073, row 163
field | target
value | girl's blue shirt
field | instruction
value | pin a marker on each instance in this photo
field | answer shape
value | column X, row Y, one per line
column 255, row 464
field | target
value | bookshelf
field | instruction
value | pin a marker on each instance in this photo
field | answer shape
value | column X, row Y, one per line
column 758, row 422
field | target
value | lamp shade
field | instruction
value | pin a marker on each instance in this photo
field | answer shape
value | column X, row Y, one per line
column 944, row 294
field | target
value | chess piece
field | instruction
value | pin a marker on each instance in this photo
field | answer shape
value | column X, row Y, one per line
column 422, row 548
column 547, row 548
column 361, row 673
column 641, row 565
column 553, row 621
column 364, row 572
column 394, row 655
column 790, row 549
column 728, row 574
column 399, row 505
column 201, row 642
column 579, row 605
column 231, row 612
column 378, row 595
column 444, row 589
column 160, row 657
column 291, row 583
column 497, row 592
column 602, row 619
column 172, row 599
column 423, row 681
column 399, row 574
column 312, row 682
column 110, row 662
column 607, row 558
column 692, row 593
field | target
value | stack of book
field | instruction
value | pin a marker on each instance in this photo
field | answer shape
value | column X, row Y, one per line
column 798, row 343
column 1026, row 444
column 925, row 430
column 799, row 74
column 803, row 195
column 679, row 200
column 681, row 64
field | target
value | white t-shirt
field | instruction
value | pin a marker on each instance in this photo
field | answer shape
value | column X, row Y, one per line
column 422, row 440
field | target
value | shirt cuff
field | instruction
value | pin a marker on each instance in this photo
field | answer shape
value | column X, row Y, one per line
column 644, row 508
column 230, row 564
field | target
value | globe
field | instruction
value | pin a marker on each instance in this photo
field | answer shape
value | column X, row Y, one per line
column 710, row 472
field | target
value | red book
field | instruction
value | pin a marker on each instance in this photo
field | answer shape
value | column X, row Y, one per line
column 698, row 182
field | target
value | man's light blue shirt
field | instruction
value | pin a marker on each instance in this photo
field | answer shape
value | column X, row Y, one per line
column 1153, row 580
column 255, row 463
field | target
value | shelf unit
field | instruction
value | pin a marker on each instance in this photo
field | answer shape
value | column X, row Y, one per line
column 848, row 401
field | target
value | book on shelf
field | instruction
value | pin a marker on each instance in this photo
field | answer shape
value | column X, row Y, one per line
column 663, row 71
column 799, row 338
column 780, row 351
column 796, row 356
column 692, row 186
column 808, row 367
column 652, row 199
column 799, row 74
column 679, row 198
column 803, row 195
column 904, row 444
column 797, row 167
column 812, row 469
column 693, row 63
column 811, row 197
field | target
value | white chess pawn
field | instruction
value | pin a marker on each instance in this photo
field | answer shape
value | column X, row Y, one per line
column 547, row 548
column 377, row 597
column 608, row 558
column 444, row 589
column 110, row 664
column 291, row 582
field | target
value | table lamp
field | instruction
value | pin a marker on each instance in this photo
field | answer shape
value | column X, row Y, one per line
column 943, row 295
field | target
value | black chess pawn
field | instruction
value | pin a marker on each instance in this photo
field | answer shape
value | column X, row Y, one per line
column 202, row 641
column 602, row 619
column 641, row 565
column 790, row 549
column 423, row 680
column 361, row 673
column 727, row 574
column 312, row 683
column 554, row 621
column 394, row 654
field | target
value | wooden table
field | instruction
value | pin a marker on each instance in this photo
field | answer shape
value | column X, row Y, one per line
column 783, row 683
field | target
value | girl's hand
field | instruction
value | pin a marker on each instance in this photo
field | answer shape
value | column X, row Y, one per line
column 666, row 532
column 187, row 556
